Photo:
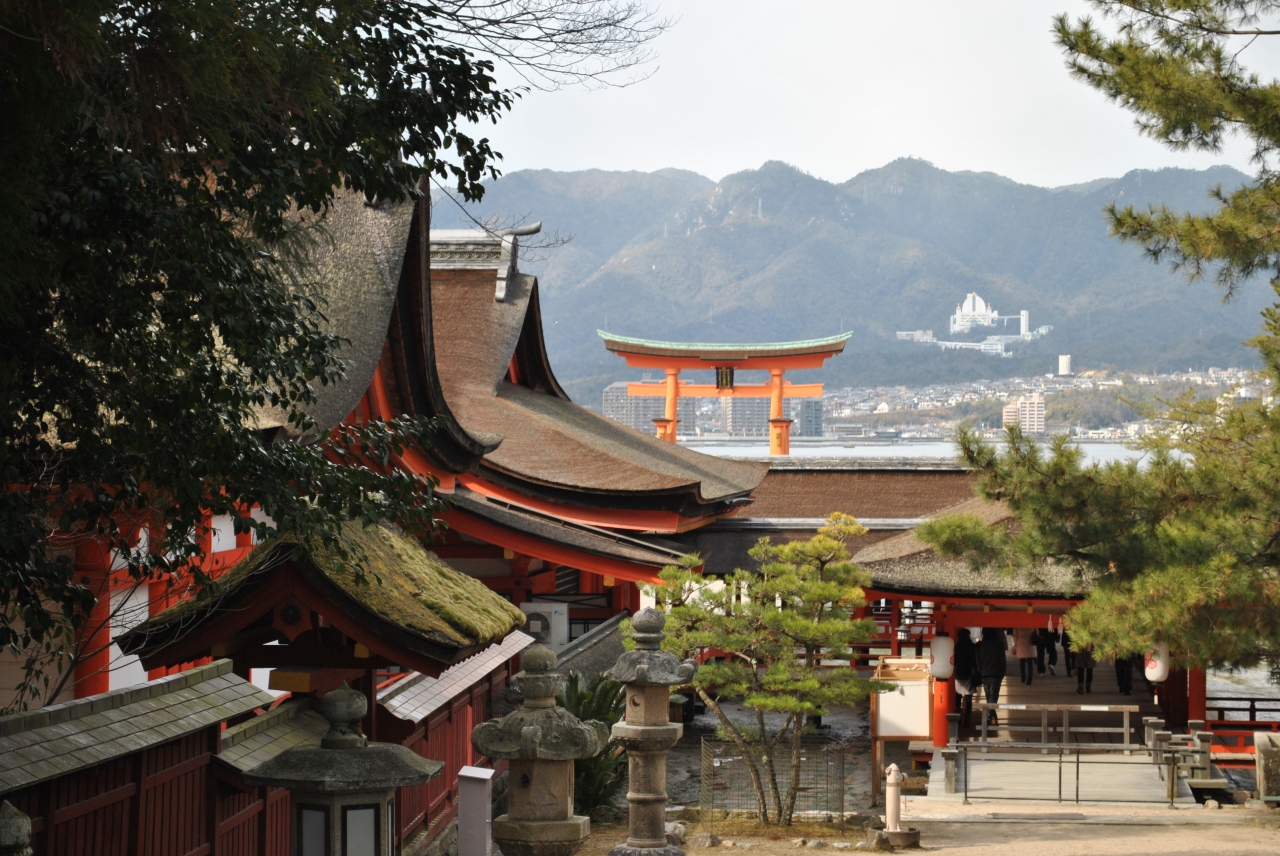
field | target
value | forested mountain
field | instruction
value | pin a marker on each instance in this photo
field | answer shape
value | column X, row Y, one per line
column 774, row 254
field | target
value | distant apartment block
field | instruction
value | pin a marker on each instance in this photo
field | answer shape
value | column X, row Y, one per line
column 745, row 417
column 639, row 412
column 807, row 413
column 1027, row 411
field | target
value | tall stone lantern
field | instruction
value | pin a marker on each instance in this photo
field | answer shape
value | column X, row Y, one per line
column 647, row 732
column 542, row 741
column 343, row 791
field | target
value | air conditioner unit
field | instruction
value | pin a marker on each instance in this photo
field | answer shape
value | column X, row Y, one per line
column 548, row 623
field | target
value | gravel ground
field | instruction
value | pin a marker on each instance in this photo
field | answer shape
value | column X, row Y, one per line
column 1103, row 830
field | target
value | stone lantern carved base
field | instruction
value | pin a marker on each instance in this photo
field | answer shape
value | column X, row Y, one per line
column 540, row 837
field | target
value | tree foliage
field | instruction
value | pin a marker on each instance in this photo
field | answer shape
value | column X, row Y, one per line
column 1184, row 546
column 163, row 166
column 1178, row 65
column 775, row 624
column 596, row 780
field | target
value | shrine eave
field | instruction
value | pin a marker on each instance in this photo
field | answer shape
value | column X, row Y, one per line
column 553, row 539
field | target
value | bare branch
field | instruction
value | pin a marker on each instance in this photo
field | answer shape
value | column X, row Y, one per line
column 553, row 43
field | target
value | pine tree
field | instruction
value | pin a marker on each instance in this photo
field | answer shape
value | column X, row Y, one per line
column 774, row 625
column 1182, row 547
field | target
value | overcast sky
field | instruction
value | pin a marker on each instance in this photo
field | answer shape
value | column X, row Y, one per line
column 835, row 88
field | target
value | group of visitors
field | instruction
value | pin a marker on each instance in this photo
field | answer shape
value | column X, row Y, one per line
column 980, row 664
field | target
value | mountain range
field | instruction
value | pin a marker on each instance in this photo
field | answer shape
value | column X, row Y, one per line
column 775, row 254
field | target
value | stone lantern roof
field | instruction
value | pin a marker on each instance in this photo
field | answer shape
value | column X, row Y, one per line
column 648, row 665
column 345, row 761
column 540, row 729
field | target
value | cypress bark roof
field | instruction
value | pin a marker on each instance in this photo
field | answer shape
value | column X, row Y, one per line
column 451, row 335
column 408, row 594
column 654, row 552
column 549, row 445
column 904, row 564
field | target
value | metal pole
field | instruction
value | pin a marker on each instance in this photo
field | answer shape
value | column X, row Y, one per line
column 965, row 750
column 1126, row 733
column 1059, row 774
column 1077, row 777
column 1044, row 730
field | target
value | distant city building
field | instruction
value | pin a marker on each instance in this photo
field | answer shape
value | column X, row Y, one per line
column 973, row 312
column 807, row 413
column 638, row 412
column 1064, row 365
column 746, row 417
column 1026, row 411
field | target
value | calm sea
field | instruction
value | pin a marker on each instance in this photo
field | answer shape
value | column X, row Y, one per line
column 939, row 450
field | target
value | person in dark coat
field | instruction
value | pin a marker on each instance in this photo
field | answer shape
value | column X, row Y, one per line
column 991, row 664
column 966, row 670
column 1068, row 653
column 1084, row 671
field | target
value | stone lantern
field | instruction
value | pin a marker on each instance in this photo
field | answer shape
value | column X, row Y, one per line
column 542, row 741
column 15, row 831
column 343, row 791
column 647, row 732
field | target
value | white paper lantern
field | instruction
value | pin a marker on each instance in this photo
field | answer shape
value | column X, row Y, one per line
column 1156, row 664
column 942, row 657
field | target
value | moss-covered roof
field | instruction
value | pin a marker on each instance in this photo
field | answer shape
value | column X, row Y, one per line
column 404, row 586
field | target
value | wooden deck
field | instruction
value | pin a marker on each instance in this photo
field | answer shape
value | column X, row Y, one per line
column 1101, row 774
column 1030, row 776
column 1060, row 689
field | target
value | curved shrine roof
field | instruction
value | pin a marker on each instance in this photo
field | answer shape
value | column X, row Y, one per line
column 492, row 369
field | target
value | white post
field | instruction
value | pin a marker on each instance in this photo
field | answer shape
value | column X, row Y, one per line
column 893, row 779
column 475, row 811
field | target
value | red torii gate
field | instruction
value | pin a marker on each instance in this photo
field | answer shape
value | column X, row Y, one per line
column 773, row 357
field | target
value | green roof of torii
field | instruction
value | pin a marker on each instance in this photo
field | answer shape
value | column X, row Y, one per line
column 803, row 346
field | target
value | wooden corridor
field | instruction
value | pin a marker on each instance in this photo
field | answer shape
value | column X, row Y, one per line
column 1060, row 689
column 1097, row 776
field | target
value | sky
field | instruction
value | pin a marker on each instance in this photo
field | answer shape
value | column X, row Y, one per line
column 836, row 88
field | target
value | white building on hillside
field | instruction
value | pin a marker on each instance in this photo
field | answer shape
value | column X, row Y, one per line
column 973, row 312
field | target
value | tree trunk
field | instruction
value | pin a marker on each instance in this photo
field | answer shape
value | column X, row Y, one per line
column 793, row 787
column 752, row 767
column 771, row 775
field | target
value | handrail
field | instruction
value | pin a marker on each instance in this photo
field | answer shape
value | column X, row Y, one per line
column 1065, row 730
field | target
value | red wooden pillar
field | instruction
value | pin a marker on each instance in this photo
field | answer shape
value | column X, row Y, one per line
column 943, row 692
column 1197, row 692
column 1173, row 698
column 93, row 638
column 895, row 616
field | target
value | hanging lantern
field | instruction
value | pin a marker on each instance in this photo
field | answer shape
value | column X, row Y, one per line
column 1156, row 663
column 942, row 657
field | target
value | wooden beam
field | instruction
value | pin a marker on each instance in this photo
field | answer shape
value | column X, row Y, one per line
column 709, row 390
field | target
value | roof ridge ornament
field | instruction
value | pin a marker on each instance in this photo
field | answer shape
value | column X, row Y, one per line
column 509, row 257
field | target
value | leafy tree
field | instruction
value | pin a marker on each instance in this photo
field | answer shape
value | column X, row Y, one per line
column 1177, row 64
column 596, row 780
column 1184, row 547
column 163, row 166
column 775, row 625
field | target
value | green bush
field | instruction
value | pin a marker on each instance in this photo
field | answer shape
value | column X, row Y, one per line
column 596, row 781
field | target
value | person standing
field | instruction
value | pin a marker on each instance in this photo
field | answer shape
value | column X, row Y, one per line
column 966, row 670
column 1084, row 670
column 1050, row 638
column 1068, row 653
column 990, row 660
column 1124, row 675
column 1024, row 648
